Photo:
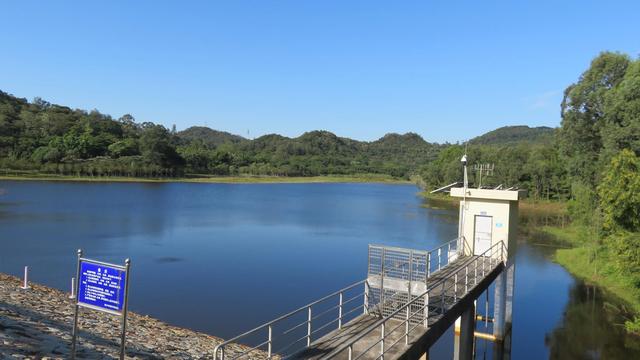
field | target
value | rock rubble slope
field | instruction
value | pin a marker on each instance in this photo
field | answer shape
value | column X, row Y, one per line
column 36, row 324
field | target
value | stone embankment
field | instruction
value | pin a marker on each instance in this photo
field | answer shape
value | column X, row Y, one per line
column 37, row 323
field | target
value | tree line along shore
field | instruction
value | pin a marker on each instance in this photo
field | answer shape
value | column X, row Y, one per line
column 589, row 164
column 195, row 178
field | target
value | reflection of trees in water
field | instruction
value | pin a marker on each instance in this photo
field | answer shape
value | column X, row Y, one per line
column 592, row 328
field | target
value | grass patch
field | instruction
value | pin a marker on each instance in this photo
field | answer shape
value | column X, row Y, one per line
column 537, row 208
column 596, row 266
column 439, row 200
column 572, row 235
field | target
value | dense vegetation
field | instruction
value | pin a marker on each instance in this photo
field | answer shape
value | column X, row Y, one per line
column 598, row 144
column 55, row 139
column 515, row 135
column 534, row 163
column 313, row 153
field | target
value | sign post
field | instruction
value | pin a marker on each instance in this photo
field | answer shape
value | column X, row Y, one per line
column 104, row 287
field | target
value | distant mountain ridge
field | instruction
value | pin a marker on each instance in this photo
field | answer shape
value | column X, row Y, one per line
column 320, row 151
column 500, row 136
column 515, row 134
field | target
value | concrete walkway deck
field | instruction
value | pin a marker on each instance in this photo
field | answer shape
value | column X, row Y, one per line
column 395, row 347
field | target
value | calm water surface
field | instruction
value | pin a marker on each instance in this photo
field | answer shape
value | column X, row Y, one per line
column 222, row 258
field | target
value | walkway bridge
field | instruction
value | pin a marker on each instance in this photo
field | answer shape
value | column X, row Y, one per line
column 408, row 300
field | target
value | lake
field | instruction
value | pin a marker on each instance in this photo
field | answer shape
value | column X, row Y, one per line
column 223, row 258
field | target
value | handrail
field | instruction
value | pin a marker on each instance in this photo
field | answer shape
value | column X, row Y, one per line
column 268, row 325
column 438, row 252
column 418, row 251
column 405, row 307
column 435, row 252
column 460, row 248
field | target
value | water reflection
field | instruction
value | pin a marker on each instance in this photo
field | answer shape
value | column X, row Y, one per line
column 591, row 328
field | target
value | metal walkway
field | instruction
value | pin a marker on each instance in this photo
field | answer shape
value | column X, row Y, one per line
column 409, row 299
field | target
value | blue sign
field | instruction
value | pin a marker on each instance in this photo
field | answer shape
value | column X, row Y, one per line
column 101, row 286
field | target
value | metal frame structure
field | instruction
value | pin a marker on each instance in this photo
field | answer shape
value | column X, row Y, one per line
column 77, row 304
column 397, row 275
column 315, row 323
column 448, row 296
column 286, row 335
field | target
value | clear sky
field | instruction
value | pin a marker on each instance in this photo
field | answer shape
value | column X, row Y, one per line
column 447, row 70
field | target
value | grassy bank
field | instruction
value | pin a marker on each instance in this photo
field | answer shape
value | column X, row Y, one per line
column 439, row 201
column 538, row 212
column 593, row 262
column 364, row 178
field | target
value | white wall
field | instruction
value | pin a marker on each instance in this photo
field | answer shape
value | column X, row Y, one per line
column 504, row 215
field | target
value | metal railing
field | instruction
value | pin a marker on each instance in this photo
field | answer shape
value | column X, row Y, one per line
column 435, row 301
column 296, row 330
column 451, row 250
column 396, row 275
column 293, row 332
column 432, row 260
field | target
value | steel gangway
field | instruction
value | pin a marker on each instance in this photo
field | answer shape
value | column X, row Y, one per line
column 408, row 300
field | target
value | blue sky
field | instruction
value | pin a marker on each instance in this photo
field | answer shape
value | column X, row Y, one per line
column 447, row 70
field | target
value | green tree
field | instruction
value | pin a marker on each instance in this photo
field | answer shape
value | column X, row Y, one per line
column 156, row 146
column 583, row 113
column 124, row 147
column 620, row 193
column 621, row 129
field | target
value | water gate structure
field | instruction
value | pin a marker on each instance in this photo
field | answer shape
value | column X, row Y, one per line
column 409, row 298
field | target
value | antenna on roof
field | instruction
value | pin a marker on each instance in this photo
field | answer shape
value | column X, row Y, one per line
column 486, row 169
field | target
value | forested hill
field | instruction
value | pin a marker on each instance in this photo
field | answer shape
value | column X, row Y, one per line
column 515, row 134
column 312, row 153
column 44, row 137
column 208, row 136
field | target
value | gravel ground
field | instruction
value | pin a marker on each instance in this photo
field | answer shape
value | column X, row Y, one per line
column 37, row 323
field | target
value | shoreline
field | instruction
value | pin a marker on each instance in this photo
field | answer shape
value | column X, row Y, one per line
column 36, row 323
column 594, row 265
column 218, row 179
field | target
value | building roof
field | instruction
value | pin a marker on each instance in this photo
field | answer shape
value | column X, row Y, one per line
column 489, row 194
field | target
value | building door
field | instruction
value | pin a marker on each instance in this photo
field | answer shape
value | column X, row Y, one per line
column 482, row 234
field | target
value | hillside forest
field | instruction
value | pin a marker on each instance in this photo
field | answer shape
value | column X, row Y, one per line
column 52, row 139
